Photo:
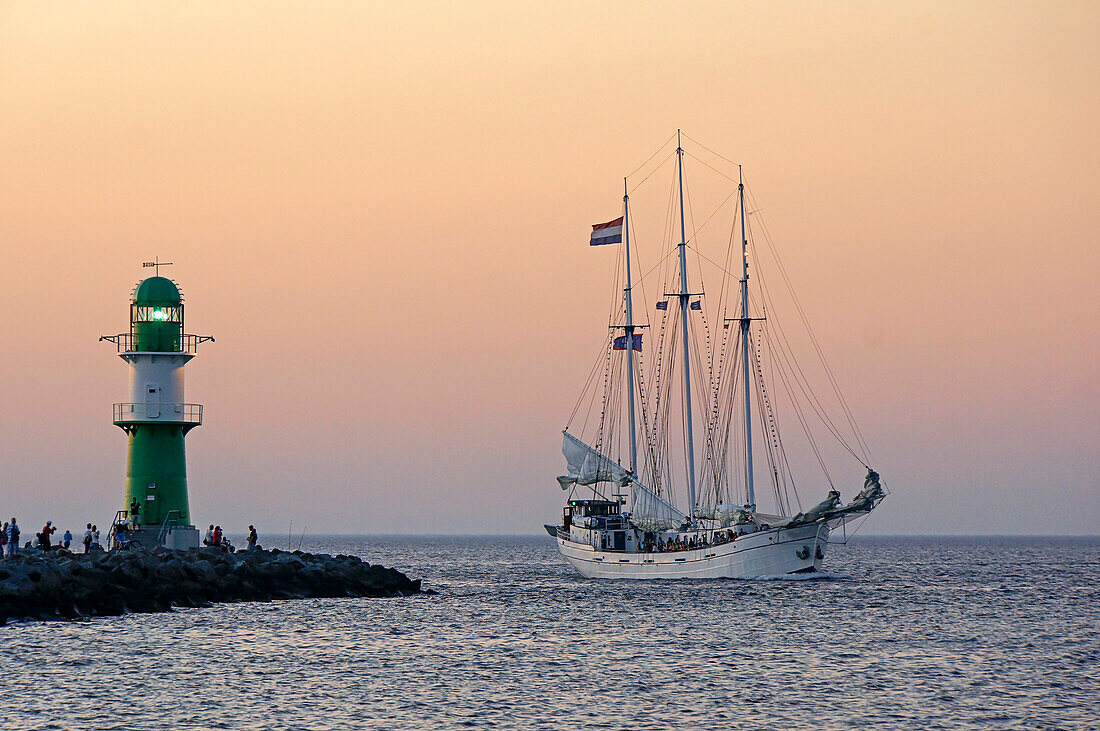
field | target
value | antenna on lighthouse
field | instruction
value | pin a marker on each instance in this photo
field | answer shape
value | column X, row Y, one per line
column 157, row 263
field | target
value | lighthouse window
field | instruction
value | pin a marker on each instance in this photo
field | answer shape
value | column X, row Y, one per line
column 157, row 314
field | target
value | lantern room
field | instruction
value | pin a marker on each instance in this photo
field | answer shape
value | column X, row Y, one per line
column 156, row 316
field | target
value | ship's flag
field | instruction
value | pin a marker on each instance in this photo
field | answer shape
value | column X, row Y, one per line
column 662, row 305
column 607, row 233
column 696, row 305
column 620, row 342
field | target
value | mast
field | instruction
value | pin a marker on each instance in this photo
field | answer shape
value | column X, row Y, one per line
column 751, row 496
column 684, row 295
column 629, row 333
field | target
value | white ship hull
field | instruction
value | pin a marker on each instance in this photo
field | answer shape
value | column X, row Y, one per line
column 773, row 552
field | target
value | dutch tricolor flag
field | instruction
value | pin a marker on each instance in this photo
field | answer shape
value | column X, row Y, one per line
column 607, row 233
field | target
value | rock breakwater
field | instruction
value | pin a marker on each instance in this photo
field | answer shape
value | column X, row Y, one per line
column 64, row 585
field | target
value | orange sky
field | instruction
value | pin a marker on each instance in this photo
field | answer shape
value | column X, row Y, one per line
column 380, row 210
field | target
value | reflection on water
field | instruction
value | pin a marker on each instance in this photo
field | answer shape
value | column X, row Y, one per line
column 977, row 633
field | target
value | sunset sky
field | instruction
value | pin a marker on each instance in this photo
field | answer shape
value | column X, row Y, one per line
column 381, row 212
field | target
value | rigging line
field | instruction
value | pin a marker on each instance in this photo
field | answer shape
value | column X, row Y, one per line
column 684, row 410
column 664, row 259
column 653, row 445
column 641, row 281
column 788, row 354
column 651, row 173
column 722, row 417
column 802, row 419
column 714, row 213
column 617, row 292
column 662, row 421
column 802, row 381
column 587, row 384
column 731, row 162
column 767, row 429
column 783, row 472
column 603, row 405
column 704, row 162
column 642, row 411
column 737, row 424
column 655, row 154
column 701, row 360
column 754, row 367
column 782, row 448
column 724, row 292
column 593, row 399
column 821, row 356
column 720, row 267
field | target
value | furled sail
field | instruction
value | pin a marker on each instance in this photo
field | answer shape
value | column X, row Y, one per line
column 650, row 512
column 587, row 466
column 872, row 491
column 821, row 510
column 728, row 513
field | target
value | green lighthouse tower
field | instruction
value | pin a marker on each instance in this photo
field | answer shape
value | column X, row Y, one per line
column 156, row 419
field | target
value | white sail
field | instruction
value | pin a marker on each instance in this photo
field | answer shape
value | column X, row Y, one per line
column 650, row 512
column 587, row 466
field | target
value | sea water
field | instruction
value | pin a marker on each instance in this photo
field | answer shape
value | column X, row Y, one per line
column 928, row 633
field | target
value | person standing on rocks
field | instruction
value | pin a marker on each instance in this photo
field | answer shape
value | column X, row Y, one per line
column 45, row 538
column 4, row 541
column 95, row 538
column 217, row 537
column 66, row 540
column 88, row 539
column 208, row 539
column 135, row 509
column 252, row 537
column 13, row 538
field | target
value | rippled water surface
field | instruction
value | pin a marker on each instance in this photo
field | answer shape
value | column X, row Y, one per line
column 906, row 633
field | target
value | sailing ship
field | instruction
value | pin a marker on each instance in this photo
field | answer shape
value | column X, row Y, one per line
column 682, row 506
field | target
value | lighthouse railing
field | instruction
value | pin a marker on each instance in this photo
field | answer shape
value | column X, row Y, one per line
column 157, row 412
column 124, row 343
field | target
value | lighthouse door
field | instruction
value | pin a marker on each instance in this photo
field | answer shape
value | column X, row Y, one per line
column 152, row 400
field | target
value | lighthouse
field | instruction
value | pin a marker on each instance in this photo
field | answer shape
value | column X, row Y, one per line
column 157, row 417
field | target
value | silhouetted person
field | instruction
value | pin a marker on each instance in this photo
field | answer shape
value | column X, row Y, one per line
column 88, row 539
column 46, row 535
column 252, row 537
column 13, row 538
column 135, row 509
